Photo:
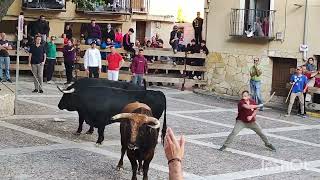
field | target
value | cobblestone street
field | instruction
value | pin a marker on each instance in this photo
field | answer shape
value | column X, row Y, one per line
column 34, row 146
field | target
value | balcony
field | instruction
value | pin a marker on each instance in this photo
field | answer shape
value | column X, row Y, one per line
column 140, row 6
column 104, row 7
column 252, row 23
column 44, row 5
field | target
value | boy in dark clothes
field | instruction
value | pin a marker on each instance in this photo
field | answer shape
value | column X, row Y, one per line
column 127, row 45
column 247, row 111
column 139, row 67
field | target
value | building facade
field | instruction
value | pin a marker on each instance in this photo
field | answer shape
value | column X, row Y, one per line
column 240, row 30
column 124, row 14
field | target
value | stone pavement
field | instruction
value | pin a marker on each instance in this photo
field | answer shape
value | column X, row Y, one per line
column 34, row 146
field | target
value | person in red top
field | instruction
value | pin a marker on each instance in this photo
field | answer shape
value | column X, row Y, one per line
column 139, row 67
column 247, row 111
column 115, row 62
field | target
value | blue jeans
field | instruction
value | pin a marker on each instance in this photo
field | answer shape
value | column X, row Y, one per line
column 6, row 62
column 255, row 88
column 137, row 79
column 90, row 40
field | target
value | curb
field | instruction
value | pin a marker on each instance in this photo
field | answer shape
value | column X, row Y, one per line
column 280, row 107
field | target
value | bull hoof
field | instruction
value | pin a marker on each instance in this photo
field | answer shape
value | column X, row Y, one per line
column 77, row 133
column 89, row 132
column 140, row 172
column 119, row 168
column 98, row 144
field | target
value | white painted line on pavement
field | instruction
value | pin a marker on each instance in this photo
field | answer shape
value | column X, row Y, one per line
column 190, row 102
column 201, row 120
column 293, row 140
column 18, row 117
column 197, row 111
column 39, row 96
column 247, row 132
column 23, row 150
column 88, row 148
column 36, row 133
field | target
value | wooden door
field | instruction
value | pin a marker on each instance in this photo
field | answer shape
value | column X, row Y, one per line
column 281, row 75
column 141, row 31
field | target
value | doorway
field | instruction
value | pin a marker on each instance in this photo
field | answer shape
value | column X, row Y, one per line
column 141, row 31
column 282, row 68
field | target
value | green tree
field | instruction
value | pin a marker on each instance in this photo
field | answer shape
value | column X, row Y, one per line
column 5, row 4
column 180, row 17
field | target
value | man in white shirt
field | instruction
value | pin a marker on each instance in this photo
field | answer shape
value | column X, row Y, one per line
column 92, row 61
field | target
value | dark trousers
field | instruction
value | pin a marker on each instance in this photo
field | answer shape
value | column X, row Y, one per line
column 198, row 62
column 198, row 35
column 94, row 71
column 299, row 109
column 69, row 68
column 50, row 68
column 130, row 50
column 175, row 44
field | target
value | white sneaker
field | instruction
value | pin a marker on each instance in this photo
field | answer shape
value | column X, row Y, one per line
column 287, row 115
column 199, row 77
column 195, row 78
column 174, row 63
column 50, row 82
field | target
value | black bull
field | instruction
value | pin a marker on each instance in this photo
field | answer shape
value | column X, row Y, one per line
column 88, row 82
column 98, row 104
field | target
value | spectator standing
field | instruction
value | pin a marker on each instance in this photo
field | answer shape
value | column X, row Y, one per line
column 4, row 57
column 51, row 58
column 200, row 62
column 310, row 65
column 94, row 33
column 110, row 33
column 139, row 67
column 265, row 26
column 299, row 86
column 197, row 26
column 175, row 35
column 37, row 59
column 118, row 38
column 247, row 112
column 127, row 45
column 115, row 62
column 69, row 55
column 255, row 81
column 92, row 61
column 41, row 27
column 68, row 31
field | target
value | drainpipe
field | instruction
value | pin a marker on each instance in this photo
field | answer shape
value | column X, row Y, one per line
column 206, row 11
column 305, row 29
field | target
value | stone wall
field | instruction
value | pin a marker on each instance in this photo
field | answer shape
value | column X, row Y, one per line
column 6, row 103
column 229, row 73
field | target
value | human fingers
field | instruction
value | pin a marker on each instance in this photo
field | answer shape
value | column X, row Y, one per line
column 172, row 137
column 182, row 144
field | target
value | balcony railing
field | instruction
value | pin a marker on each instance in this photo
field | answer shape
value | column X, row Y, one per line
column 252, row 23
column 104, row 7
column 54, row 5
column 140, row 6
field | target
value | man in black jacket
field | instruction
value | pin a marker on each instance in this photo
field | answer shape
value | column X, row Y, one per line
column 175, row 35
column 197, row 26
column 127, row 45
column 41, row 27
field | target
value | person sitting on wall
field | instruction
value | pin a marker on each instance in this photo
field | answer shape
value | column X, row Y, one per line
column 40, row 27
column 127, row 45
column 110, row 33
column 68, row 31
column 118, row 38
column 94, row 33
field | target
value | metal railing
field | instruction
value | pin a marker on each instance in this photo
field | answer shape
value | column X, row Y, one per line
column 140, row 6
column 44, row 4
column 107, row 6
column 254, row 23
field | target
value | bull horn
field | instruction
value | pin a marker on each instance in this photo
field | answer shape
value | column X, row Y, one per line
column 69, row 91
column 155, row 121
column 61, row 90
column 122, row 116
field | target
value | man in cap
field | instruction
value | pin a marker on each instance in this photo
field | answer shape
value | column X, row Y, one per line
column 92, row 61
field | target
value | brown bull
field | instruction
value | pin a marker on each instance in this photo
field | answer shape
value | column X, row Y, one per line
column 139, row 137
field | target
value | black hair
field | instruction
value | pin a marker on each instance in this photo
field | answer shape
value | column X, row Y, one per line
column 41, row 16
column 131, row 30
column 193, row 40
column 245, row 91
column 140, row 50
column 203, row 41
column 311, row 58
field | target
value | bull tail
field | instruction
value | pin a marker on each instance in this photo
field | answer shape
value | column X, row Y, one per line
column 145, row 84
column 164, row 126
